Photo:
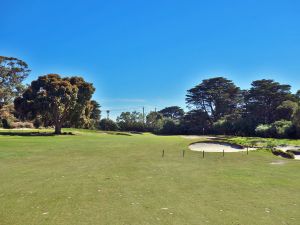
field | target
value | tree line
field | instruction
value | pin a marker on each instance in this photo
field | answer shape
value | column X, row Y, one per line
column 215, row 106
column 218, row 106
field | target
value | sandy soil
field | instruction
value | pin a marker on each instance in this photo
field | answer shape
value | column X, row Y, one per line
column 216, row 147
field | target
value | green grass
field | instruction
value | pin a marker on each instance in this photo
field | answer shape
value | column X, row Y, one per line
column 111, row 179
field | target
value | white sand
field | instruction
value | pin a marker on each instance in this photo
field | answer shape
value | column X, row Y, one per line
column 217, row 147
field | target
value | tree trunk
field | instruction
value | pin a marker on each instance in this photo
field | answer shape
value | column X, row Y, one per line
column 57, row 129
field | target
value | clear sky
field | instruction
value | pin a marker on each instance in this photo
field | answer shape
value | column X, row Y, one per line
column 149, row 52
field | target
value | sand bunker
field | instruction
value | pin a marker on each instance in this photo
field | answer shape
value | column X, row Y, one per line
column 217, row 147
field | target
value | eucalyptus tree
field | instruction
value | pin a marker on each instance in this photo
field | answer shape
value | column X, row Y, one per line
column 13, row 71
column 57, row 100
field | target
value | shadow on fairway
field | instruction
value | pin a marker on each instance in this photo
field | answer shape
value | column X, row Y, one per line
column 33, row 134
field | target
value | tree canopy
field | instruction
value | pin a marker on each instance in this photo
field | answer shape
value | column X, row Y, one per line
column 56, row 99
column 216, row 97
column 172, row 112
column 264, row 97
column 13, row 71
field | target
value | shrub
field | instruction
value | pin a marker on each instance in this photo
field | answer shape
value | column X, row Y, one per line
column 264, row 130
column 278, row 129
column 282, row 128
column 222, row 126
column 107, row 124
column 278, row 152
column 169, row 127
column 37, row 123
column 6, row 123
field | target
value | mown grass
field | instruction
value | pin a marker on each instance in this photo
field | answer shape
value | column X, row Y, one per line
column 97, row 178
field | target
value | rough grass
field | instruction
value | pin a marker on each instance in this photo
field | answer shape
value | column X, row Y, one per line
column 96, row 178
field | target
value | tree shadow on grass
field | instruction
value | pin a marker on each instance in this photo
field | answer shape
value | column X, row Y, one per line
column 33, row 134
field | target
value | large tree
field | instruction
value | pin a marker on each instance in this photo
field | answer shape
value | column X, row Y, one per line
column 217, row 97
column 56, row 99
column 264, row 98
column 13, row 71
column 172, row 112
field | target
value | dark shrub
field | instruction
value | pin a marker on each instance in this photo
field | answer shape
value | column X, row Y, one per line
column 107, row 124
column 6, row 123
column 278, row 152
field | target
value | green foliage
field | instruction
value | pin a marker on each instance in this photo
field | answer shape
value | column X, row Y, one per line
column 170, row 126
column 154, row 122
column 287, row 110
column 216, row 97
column 264, row 130
column 57, row 100
column 131, row 121
column 264, row 97
column 12, row 73
column 108, row 125
column 195, row 122
column 172, row 112
column 279, row 129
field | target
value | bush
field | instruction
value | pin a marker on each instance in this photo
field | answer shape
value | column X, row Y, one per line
column 278, row 129
column 107, row 124
column 37, row 123
column 278, row 152
column 264, row 130
column 282, row 128
column 169, row 127
column 6, row 123
column 223, row 126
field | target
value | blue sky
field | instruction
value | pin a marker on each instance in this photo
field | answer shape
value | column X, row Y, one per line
column 148, row 53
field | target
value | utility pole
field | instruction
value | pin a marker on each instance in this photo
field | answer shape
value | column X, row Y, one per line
column 107, row 112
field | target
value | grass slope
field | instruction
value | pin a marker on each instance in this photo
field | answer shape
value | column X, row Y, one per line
column 93, row 178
